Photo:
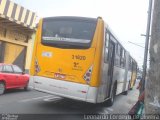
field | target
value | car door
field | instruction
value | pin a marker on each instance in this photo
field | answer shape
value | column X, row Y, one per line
column 9, row 76
column 20, row 81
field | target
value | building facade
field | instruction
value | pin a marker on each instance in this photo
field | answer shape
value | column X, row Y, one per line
column 17, row 32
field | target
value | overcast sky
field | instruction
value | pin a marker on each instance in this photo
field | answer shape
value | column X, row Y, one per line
column 127, row 18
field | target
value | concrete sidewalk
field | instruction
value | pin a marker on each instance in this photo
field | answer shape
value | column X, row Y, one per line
column 124, row 103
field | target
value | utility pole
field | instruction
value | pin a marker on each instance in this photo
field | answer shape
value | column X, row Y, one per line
column 152, row 90
column 146, row 47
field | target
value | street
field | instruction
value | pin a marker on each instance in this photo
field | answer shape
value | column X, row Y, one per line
column 19, row 101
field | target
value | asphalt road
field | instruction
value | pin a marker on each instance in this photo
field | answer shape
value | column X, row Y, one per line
column 32, row 102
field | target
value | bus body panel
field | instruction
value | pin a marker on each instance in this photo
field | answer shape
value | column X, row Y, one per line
column 69, row 65
column 36, row 42
column 104, row 87
column 65, row 89
column 98, row 41
column 128, row 80
column 119, row 76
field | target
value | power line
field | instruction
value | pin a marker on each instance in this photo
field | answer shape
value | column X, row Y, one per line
column 136, row 44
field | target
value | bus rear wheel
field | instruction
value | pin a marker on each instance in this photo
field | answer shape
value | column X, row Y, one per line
column 111, row 100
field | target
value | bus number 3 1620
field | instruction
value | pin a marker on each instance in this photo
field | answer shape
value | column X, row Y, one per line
column 78, row 57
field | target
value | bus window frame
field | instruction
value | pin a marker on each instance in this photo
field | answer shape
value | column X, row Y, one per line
column 69, row 45
column 107, row 39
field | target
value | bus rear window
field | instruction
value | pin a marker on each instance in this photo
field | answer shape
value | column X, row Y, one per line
column 68, row 33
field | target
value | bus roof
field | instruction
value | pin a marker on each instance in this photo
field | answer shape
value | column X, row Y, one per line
column 71, row 18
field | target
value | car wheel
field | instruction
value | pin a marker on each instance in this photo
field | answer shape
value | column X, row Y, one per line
column 111, row 100
column 2, row 88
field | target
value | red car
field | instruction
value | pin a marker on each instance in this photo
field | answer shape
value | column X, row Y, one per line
column 11, row 76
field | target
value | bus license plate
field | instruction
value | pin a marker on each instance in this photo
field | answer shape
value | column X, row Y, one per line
column 60, row 76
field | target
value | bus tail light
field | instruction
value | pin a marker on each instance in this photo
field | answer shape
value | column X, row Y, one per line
column 37, row 68
column 87, row 75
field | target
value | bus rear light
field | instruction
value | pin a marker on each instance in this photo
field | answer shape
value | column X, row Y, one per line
column 37, row 68
column 87, row 75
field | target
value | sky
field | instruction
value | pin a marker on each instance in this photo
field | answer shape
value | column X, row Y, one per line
column 126, row 18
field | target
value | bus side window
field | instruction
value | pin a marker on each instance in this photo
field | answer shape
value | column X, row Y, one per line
column 106, row 39
column 116, row 56
column 122, row 55
column 117, row 59
column 106, row 47
column 130, row 64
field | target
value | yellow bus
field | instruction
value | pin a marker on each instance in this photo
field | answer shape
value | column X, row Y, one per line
column 79, row 58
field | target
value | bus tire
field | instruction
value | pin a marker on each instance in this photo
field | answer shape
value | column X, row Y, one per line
column 111, row 100
column 125, row 92
column 2, row 88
